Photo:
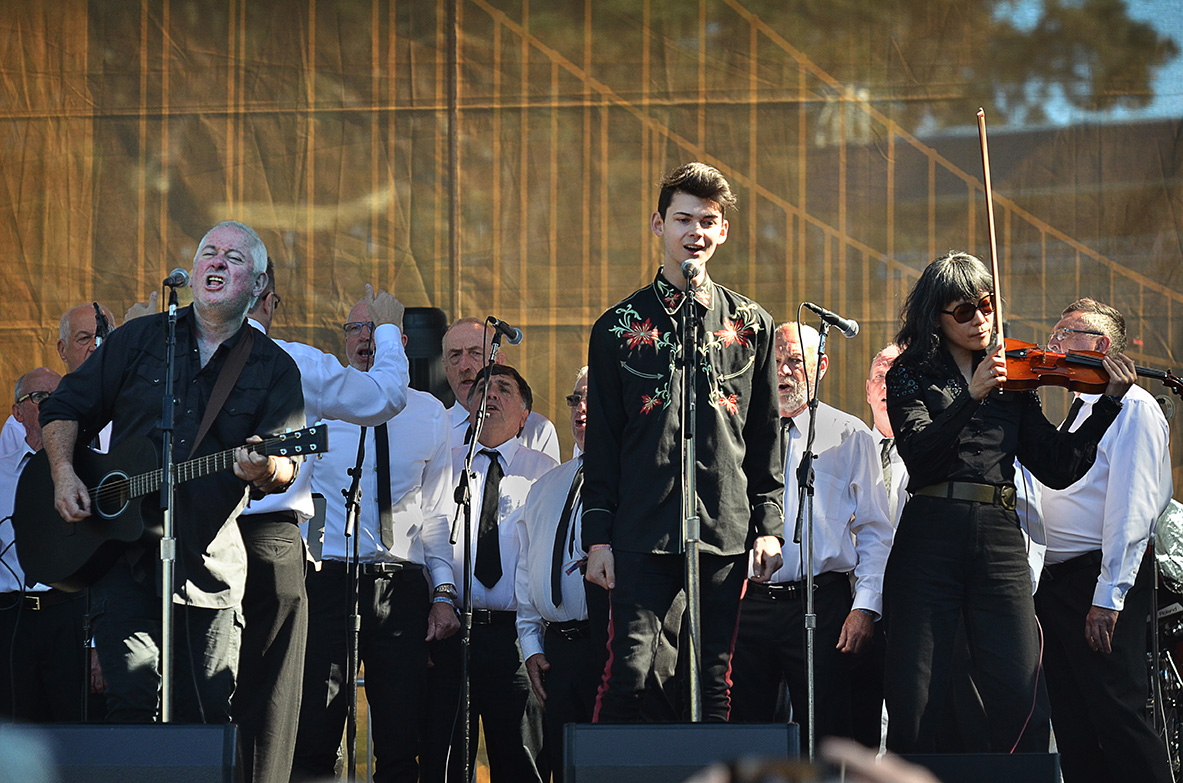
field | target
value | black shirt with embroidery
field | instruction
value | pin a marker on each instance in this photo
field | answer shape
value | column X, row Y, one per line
column 123, row 383
column 943, row 434
column 633, row 457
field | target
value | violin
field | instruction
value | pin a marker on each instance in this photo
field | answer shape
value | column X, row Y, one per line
column 1027, row 365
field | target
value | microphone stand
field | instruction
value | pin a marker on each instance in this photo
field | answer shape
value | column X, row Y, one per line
column 691, row 523
column 463, row 497
column 805, row 512
column 352, row 567
column 168, row 543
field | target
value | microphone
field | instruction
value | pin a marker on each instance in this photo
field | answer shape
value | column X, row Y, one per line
column 848, row 327
column 690, row 269
column 512, row 334
column 178, row 278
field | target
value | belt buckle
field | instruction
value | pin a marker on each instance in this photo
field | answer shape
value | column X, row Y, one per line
column 36, row 602
column 1007, row 497
column 482, row 616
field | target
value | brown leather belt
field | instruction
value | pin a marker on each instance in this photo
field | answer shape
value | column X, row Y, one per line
column 1003, row 496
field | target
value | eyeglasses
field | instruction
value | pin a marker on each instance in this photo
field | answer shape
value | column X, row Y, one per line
column 962, row 313
column 37, row 397
column 354, row 328
column 1063, row 332
column 573, row 400
column 276, row 299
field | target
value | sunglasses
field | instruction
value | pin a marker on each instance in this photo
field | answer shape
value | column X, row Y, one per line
column 962, row 313
column 573, row 400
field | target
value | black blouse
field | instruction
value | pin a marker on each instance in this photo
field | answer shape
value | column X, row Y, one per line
column 943, row 434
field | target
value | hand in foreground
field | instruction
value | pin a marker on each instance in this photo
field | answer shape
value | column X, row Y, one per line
column 856, row 632
column 252, row 466
column 70, row 497
column 442, row 621
column 537, row 666
column 1121, row 373
column 989, row 375
column 601, row 569
column 1098, row 628
column 384, row 308
column 140, row 309
column 766, row 558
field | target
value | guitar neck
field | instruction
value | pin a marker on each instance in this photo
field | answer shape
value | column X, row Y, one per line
column 188, row 470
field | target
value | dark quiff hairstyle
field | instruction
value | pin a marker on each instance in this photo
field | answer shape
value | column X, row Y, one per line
column 697, row 179
column 1103, row 318
column 504, row 369
column 952, row 277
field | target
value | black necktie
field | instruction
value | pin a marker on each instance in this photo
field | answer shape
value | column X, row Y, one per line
column 385, row 511
column 885, row 458
column 488, row 545
column 1073, row 412
column 565, row 524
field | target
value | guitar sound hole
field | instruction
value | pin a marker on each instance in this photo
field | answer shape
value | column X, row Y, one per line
column 111, row 497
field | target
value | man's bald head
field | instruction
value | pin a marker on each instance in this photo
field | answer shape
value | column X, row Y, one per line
column 76, row 332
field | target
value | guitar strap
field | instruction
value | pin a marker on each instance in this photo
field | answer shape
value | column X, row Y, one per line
column 225, row 382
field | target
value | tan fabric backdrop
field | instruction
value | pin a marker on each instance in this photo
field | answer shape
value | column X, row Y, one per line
column 847, row 128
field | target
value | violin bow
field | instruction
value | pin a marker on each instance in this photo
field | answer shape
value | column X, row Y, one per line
column 998, row 318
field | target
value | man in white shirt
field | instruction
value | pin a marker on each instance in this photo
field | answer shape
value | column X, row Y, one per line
column 499, row 685
column 266, row 702
column 1095, row 594
column 466, row 349
column 852, row 534
column 41, row 629
column 406, row 487
column 564, row 654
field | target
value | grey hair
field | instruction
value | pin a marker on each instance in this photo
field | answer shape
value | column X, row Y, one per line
column 255, row 245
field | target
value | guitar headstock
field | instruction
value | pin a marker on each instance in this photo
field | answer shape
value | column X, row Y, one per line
column 310, row 440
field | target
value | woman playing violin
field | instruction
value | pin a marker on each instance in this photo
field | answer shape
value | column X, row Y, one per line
column 958, row 551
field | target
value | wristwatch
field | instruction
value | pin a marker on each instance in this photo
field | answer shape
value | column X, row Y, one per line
column 447, row 590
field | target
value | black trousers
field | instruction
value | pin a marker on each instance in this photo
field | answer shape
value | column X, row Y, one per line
column 1099, row 701
column 392, row 647
column 266, row 701
column 951, row 561
column 770, row 651
column 41, row 659
column 571, row 684
column 500, row 696
column 647, row 585
column 866, row 689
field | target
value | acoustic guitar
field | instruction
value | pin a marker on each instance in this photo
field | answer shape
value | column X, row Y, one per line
column 73, row 555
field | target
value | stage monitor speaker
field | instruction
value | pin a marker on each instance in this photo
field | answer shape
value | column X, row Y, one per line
column 424, row 328
column 657, row 753
column 113, row 753
column 991, row 767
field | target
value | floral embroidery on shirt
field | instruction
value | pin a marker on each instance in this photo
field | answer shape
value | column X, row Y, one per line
column 672, row 298
column 639, row 333
column 650, row 403
column 733, row 332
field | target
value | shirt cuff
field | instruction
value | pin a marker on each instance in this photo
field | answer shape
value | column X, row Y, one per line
column 769, row 520
column 531, row 641
column 1109, row 596
column 869, row 600
column 597, row 526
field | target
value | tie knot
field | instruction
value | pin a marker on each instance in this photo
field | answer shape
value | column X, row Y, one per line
column 490, row 453
column 886, row 444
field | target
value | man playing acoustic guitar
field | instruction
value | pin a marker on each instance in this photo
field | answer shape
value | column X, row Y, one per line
column 123, row 383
